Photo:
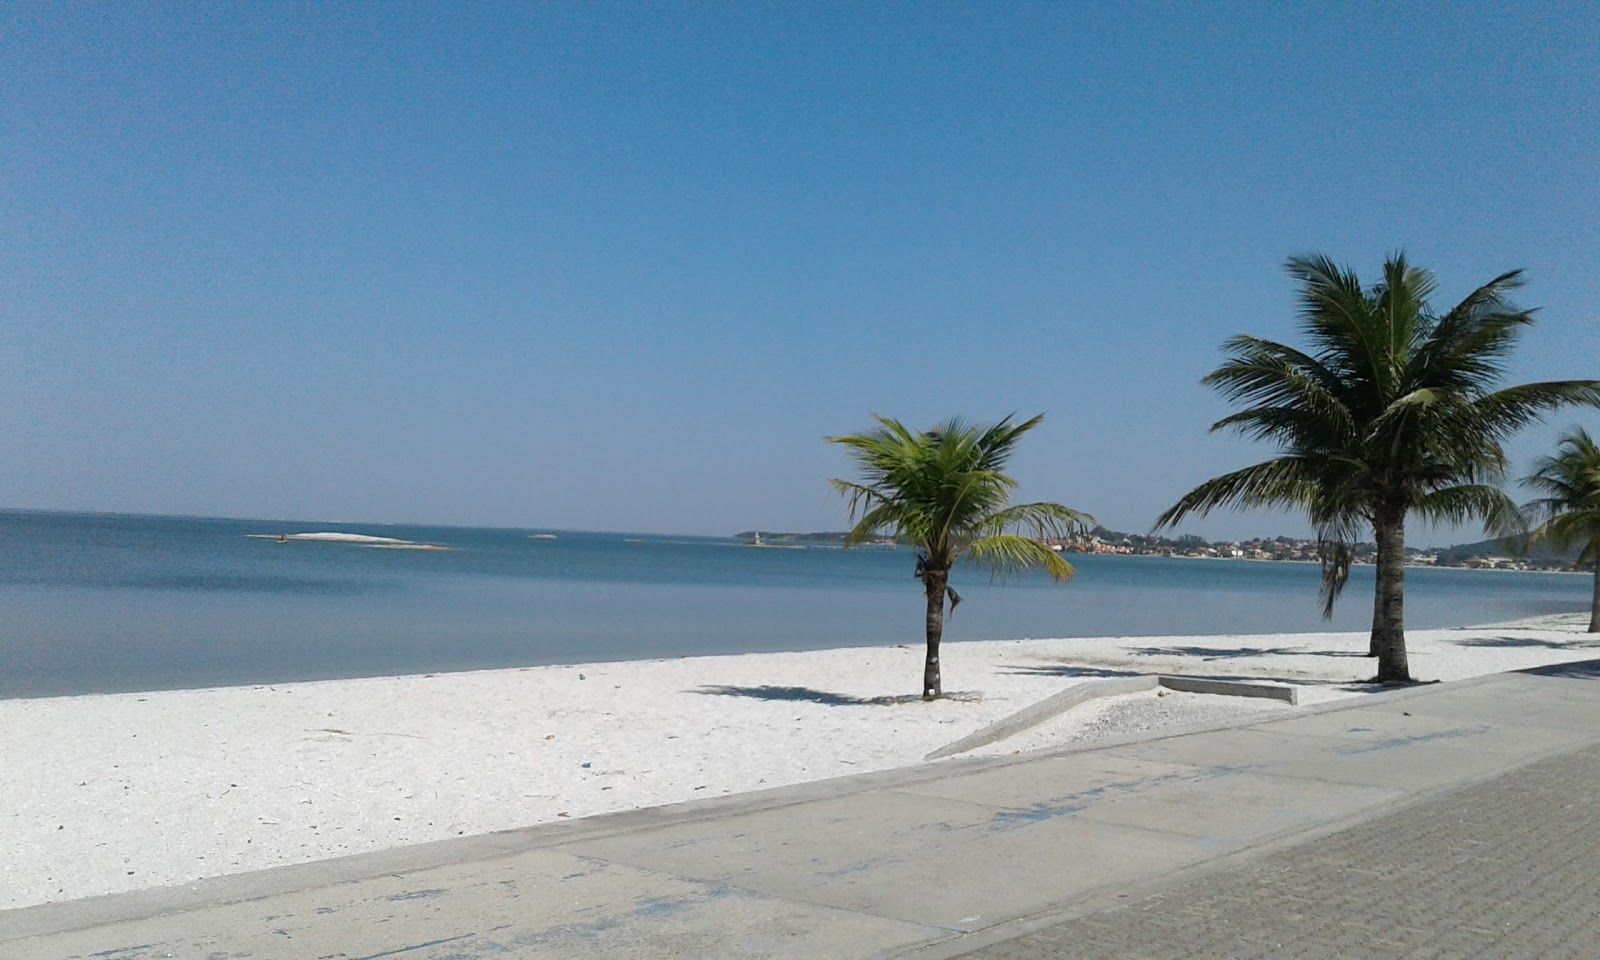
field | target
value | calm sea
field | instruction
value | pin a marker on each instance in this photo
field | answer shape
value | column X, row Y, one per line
column 93, row 603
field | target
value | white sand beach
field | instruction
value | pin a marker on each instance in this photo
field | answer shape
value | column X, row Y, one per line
column 103, row 794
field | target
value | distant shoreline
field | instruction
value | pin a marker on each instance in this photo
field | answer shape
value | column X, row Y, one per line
column 1358, row 563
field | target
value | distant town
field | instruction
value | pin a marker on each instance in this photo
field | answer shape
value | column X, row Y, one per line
column 1482, row 555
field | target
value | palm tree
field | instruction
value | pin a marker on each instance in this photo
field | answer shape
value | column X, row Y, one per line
column 942, row 491
column 1391, row 412
column 1569, row 513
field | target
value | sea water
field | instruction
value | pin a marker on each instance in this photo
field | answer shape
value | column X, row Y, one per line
column 94, row 603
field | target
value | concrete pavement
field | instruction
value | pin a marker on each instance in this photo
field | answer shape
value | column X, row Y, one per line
column 1504, row 870
column 1330, row 831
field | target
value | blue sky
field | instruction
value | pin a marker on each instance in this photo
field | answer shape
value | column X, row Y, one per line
column 616, row 266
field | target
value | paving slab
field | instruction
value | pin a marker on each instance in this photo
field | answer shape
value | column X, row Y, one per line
column 1523, row 700
column 1243, row 809
column 1397, row 755
column 1500, row 870
column 537, row 904
column 1226, row 807
column 1073, row 779
column 882, row 853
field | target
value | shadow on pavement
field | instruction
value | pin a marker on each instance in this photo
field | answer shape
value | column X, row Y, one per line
column 1068, row 670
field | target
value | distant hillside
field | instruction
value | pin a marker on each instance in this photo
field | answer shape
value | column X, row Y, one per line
column 1506, row 547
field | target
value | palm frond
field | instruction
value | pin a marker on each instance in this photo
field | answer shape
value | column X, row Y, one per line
column 943, row 489
column 1336, row 314
column 1039, row 520
column 1507, row 410
column 1570, row 513
column 1387, row 403
column 1470, row 343
column 1274, row 375
column 1285, row 482
column 1566, row 530
column 1336, row 557
column 873, row 523
column 1007, row 553
column 1464, row 503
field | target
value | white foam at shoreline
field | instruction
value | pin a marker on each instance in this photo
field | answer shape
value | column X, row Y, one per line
column 117, row 792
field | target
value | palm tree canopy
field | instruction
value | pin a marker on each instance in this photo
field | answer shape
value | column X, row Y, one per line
column 1391, row 407
column 944, row 491
column 1569, row 511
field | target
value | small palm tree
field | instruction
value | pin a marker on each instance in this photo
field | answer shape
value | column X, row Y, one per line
column 1569, row 513
column 942, row 491
column 1391, row 412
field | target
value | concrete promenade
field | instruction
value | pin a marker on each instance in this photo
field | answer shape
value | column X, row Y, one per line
column 1454, row 820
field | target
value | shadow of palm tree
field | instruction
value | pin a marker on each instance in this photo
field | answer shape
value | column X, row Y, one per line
column 1067, row 670
column 1070, row 670
column 1224, row 653
column 1527, row 642
column 1577, row 670
column 813, row 695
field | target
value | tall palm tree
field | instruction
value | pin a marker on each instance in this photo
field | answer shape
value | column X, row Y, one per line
column 1392, row 411
column 1569, row 513
column 942, row 491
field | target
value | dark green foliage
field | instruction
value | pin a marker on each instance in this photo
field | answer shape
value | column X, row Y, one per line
column 943, row 492
column 1391, row 410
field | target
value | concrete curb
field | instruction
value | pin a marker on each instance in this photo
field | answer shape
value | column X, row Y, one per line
column 1058, row 703
column 1232, row 688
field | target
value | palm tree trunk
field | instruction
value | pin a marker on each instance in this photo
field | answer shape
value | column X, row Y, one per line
column 935, row 582
column 1389, row 604
column 1594, row 607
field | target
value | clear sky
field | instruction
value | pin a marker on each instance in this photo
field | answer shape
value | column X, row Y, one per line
column 618, row 266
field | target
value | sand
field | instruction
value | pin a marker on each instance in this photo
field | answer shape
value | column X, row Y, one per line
column 103, row 794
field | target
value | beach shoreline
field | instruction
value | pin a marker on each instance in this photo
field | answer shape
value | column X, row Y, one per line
column 114, row 792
